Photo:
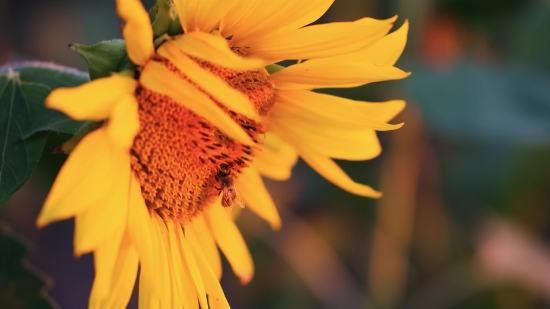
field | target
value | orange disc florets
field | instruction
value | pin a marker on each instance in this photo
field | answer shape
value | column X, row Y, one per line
column 183, row 161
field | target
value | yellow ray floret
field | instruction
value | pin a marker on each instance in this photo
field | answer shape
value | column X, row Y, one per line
column 257, row 197
column 216, row 297
column 92, row 164
column 317, row 41
column 215, row 49
column 124, row 122
column 312, row 75
column 93, row 100
column 214, row 85
column 384, row 51
column 207, row 245
column 137, row 31
column 325, row 111
column 111, row 211
column 327, row 168
column 230, row 241
column 200, row 15
column 139, row 227
column 276, row 164
column 158, row 78
column 249, row 20
column 114, row 282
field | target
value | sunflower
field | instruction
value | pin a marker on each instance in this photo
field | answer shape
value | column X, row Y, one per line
column 204, row 116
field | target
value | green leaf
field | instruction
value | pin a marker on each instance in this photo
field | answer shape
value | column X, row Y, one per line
column 21, row 286
column 49, row 74
column 175, row 27
column 44, row 119
column 160, row 17
column 24, row 121
column 104, row 57
column 273, row 68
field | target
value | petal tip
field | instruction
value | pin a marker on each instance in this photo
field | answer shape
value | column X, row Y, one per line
column 399, row 125
column 42, row 221
column 276, row 225
column 376, row 194
column 245, row 278
column 45, row 217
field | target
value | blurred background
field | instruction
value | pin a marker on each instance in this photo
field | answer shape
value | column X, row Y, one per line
column 465, row 217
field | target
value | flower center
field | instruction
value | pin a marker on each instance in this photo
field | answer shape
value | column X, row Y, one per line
column 183, row 162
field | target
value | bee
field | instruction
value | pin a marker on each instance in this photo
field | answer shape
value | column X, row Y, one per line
column 230, row 194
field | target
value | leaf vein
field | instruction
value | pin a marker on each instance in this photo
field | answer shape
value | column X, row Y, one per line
column 7, row 131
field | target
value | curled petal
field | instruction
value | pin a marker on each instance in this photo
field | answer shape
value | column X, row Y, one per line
column 215, row 49
column 93, row 100
column 327, row 168
column 257, row 197
column 248, row 20
column 317, row 41
column 137, row 31
column 212, row 84
column 123, row 124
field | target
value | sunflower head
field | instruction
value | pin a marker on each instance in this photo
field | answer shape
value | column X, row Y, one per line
column 194, row 120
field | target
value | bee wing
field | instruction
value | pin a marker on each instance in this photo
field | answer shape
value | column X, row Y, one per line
column 239, row 201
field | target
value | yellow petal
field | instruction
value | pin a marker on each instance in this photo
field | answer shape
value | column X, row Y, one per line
column 137, row 31
column 159, row 79
column 105, row 258
column 230, row 241
column 373, row 21
column 107, row 219
column 212, row 84
column 324, row 103
column 121, row 281
column 383, row 111
column 248, row 20
column 216, row 297
column 207, row 244
column 340, row 143
column 332, row 126
column 184, row 280
column 200, row 15
column 146, row 298
column 313, row 75
column 215, row 49
column 317, row 41
column 83, row 181
column 333, row 173
column 142, row 235
column 123, row 124
column 191, row 262
column 257, row 197
column 175, row 265
column 275, row 164
column 385, row 51
column 321, row 110
column 93, row 100
column 163, row 265
column 370, row 64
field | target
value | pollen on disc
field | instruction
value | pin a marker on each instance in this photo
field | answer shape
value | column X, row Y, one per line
column 177, row 155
